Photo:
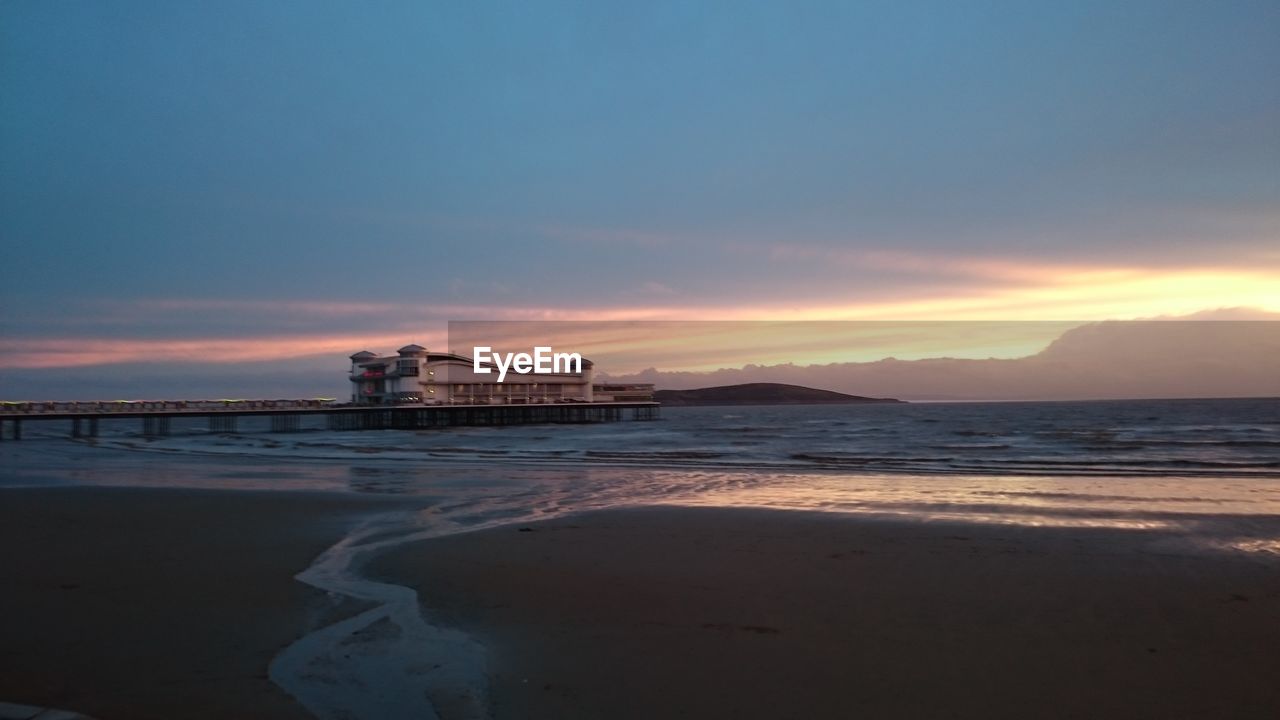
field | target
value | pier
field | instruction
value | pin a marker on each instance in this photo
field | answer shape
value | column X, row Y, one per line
column 154, row 417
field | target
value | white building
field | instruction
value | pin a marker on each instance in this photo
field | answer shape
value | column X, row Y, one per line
column 415, row 375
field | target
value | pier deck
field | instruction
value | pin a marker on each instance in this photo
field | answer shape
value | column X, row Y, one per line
column 286, row 415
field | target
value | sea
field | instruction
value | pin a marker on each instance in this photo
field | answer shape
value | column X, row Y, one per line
column 1011, row 461
column 1204, row 475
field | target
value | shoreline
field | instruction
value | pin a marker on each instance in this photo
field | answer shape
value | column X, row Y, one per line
column 732, row 612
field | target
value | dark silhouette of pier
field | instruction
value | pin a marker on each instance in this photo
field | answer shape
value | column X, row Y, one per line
column 85, row 418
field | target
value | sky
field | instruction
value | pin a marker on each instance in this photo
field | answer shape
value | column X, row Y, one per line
column 209, row 184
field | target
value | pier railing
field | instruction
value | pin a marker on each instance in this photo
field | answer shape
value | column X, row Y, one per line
column 131, row 406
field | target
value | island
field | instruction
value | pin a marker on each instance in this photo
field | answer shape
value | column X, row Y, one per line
column 761, row 394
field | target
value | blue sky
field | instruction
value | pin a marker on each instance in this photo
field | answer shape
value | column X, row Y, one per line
column 317, row 173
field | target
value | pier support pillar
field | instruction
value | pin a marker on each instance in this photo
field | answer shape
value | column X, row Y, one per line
column 155, row 426
column 222, row 423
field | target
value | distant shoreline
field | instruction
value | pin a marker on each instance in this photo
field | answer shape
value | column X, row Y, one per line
column 761, row 394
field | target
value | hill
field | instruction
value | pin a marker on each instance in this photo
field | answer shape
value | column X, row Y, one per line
column 761, row 394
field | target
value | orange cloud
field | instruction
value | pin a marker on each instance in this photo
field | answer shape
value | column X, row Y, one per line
column 1010, row 288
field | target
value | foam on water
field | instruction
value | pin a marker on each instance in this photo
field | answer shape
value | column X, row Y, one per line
column 1209, row 438
column 385, row 662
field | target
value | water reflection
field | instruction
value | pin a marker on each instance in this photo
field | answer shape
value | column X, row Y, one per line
column 1241, row 514
column 1194, row 506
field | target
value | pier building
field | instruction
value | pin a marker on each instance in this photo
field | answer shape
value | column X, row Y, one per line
column 417, row 376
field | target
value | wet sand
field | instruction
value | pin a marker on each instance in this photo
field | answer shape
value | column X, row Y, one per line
column 703, row 613
column 142, row 603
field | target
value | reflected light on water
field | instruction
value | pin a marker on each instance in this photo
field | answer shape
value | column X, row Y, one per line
column 1167, row 503
column 1224, row 514
column 1269, row 546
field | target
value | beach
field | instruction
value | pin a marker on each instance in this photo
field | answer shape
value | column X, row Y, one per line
column 138, row 603
column 711, row 565
column 746, row 613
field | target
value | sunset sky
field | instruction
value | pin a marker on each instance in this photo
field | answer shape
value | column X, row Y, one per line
column 223, row 182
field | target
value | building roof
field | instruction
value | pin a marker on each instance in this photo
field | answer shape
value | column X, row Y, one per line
column 411, row 348
column 435, row 357
column 363, row 355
